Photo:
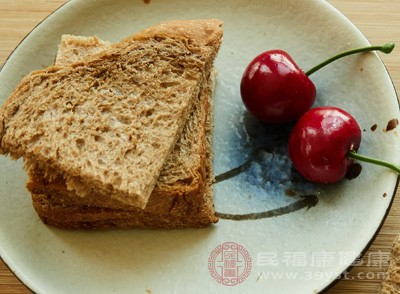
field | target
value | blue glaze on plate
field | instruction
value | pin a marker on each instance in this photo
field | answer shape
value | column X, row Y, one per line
column 256, row 175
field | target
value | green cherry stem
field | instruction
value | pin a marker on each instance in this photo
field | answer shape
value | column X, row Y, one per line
column 353, row 154
column 387, row 48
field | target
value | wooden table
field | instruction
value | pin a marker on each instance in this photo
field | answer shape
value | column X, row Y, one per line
column 379, row 20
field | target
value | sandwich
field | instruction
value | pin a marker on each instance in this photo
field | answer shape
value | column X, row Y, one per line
column 118, row 135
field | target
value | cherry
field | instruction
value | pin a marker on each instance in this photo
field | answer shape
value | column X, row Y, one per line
column 323, row 145
column 320, row 141
column 275, row 90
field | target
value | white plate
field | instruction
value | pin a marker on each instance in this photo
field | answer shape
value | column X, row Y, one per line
column 303, row 251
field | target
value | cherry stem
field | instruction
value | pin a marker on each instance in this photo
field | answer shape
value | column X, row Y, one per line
column 387, row 48
column 353, row 154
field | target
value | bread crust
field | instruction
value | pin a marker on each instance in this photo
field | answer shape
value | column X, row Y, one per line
column 74, row 217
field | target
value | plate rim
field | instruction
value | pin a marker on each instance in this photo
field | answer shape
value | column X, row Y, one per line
column 26, row 281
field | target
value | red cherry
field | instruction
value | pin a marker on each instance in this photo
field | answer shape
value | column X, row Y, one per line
column 275, row 90
column 320, row 143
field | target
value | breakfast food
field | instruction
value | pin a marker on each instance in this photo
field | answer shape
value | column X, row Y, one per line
column 276, row 90
column 179, row 198
column 323, row 146
column 113, row 161
column 320, row 142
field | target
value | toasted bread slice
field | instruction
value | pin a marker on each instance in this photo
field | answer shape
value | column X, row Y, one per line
column 107, row 125
column 163, row 211
column 61, row 209
column 184, row 173
column 185, row 202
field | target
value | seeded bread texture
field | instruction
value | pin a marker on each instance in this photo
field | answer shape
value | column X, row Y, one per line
column 109, row 124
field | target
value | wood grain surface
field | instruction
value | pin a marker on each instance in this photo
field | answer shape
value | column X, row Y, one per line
column 378, row 20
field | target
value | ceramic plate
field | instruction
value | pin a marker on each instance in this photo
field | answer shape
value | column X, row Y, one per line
column 300, row 245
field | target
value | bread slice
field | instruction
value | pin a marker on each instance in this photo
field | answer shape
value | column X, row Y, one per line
column 184, row 172
column 91, row 110
column 180, row 199
column 163, row 211
column 61, row 209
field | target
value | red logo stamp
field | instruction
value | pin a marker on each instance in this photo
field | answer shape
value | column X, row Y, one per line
column 229, row 264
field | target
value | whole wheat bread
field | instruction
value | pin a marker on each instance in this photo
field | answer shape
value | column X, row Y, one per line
column 122, row 110
column 183, row 174
column 182, row 196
